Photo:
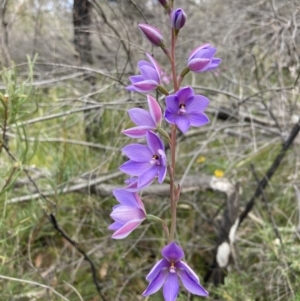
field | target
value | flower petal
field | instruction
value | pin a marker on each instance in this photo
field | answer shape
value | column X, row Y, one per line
column 181, row 265
column 144, row 86
column 198, row 48
column 172, row 103
column 171, row 287
column 155, row 65
column 170, row 117
column 126, row 229
column 136, row 79
column 149, row 73
column 155, row 110
column 135, row 168
column 115, row 226
column 198, row 64
column 154, row 143
column 172, row 252
column 125, row 197
column 148, row 177
column 190, row 284
column 141, row 117
column 184, row 94
column 156, row 283
column 214, row 64
column 198, row 119
column 124, row 214
column 138, row 152
column 196, row 104
column 162, row 172
column 182, row 123
column 137, row 132
column 163, row 263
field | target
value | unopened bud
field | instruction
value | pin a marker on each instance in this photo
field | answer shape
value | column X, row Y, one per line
column 178, row 18
column 152, row 34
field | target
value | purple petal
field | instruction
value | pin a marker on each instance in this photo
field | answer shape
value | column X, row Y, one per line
column 198, row 119
column 172, row 252
column 144, row 86
column 136, row 79
column 138, row 152
column 125, row 197
column 156, row 283
column 183, row 266
column 206, row 53
column 124, row 214
column 182, row 123
column 115, row 226
column 171, row 287
column 196, row 104
column 162, row 174
column 214, row 64
column 155, row 110
column 205, row 46
column 155, row 65
column 170, row 117
column 163, row 263
column 197, row 65
column 144, row 63
column 137, row 132
column 141, row 117
column 126, row 229
column 135, row 168
column 148, row 177
column 190, row 284
column 183, row 94
column 172, row 103
column 149, row 73
column 154, row 143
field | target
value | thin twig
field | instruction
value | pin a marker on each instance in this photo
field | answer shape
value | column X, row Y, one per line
column 80, row 250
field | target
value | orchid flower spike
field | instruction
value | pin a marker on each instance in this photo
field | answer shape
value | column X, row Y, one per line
column 146, row 162
column 167, row 273
column 128, row 215
column 149, row 79
column 185, row 109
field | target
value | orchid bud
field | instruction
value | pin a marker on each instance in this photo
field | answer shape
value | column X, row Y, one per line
column 178, row 18
column 152, row 34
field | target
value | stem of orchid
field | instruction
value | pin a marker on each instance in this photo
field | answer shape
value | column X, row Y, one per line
column 173, row 196
column 172, row 186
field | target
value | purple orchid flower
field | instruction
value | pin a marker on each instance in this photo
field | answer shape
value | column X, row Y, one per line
column 186, row 109
column 144, row 120
column 146, row 162
column 128, row 215
column 167, row 271
column 150, row 76
column 201, row 59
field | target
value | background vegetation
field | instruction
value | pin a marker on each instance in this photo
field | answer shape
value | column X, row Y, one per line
column 61, row 115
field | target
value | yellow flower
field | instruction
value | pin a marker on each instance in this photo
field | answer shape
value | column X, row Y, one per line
column 219, row 173
column 200, row 159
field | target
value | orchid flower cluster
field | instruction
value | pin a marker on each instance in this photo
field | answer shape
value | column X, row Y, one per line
column 148, row 162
